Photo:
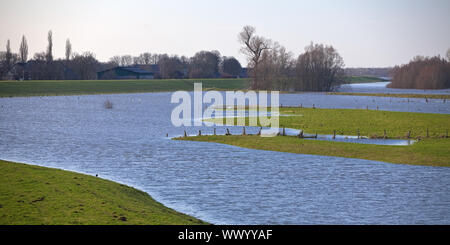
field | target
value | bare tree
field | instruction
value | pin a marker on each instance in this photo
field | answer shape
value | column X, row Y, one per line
column 231, row 66
column 23, row 50
column 115, row 60
column 146, row 58
column 171, row 67
column 126, row 60
column 424, row 73
column 68, row 49
column 204, row 64
column 253, row 48
column 8, row 57
column 448, row 55
column 320, row 68
column 50, row 47
column 85, row 65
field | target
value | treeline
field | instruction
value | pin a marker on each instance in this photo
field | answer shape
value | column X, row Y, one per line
column 423, row 73
column 44, row 67
column 204, row 64
column 271, row 66
column 319, row 68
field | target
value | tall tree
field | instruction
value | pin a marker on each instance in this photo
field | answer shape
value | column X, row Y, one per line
column 171, row 67
column 320, row 68
column 8, row 56
column 204, row 64
column 50, row 47
column 253, row 47
column 126, row 60
column 23, row 50
column 68, row 49
column 115, row 60
column 231, row 66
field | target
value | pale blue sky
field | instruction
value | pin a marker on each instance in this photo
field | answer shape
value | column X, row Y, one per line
column 366, row 33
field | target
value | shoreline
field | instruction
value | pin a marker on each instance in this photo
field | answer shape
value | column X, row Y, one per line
column 430, row 130
column 56, row 196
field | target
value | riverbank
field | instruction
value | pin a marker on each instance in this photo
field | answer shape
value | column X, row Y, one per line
column 430, row 129
column 432, row 152
column 422, row 96
column 364, row 79
column 78, row 87
column 33, row 195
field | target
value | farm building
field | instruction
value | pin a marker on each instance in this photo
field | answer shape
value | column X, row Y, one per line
column 125, row 72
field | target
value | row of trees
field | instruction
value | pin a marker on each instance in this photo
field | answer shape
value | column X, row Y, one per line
column 43, row 66
column 423, row 73
column 204, row 64
column 319, row 68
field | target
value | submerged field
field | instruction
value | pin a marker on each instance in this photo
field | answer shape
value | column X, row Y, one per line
column 432, row 148
column 37, row 195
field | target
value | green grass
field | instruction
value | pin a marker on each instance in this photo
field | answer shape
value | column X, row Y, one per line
column 427, row 152
column 433, row 150
column 364, row 79
column 75, row 87
column 371, row 123
column 32, row 195
column 428, row 96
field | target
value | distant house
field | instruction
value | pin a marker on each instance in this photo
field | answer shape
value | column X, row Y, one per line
column 126, row 72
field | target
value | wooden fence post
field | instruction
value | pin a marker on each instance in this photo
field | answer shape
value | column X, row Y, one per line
column 199, row 133
column 334, row 134
column 185, row 134
column 214, row 131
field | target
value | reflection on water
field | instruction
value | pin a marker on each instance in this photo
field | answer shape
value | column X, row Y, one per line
column 218, row 183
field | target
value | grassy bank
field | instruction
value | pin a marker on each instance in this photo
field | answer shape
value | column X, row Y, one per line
column 431, row 151
column 428, row 152
column 364, row 79
column 37, row 195
column 75, row 87
column 371, row 123
column 423, row 96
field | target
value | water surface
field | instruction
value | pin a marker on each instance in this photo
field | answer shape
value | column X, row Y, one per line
column 218, row 183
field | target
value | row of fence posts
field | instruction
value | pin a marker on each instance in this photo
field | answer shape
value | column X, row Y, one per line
column 301, row 135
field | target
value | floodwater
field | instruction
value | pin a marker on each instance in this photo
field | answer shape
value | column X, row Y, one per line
column 380, row 87
column 218, row 183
